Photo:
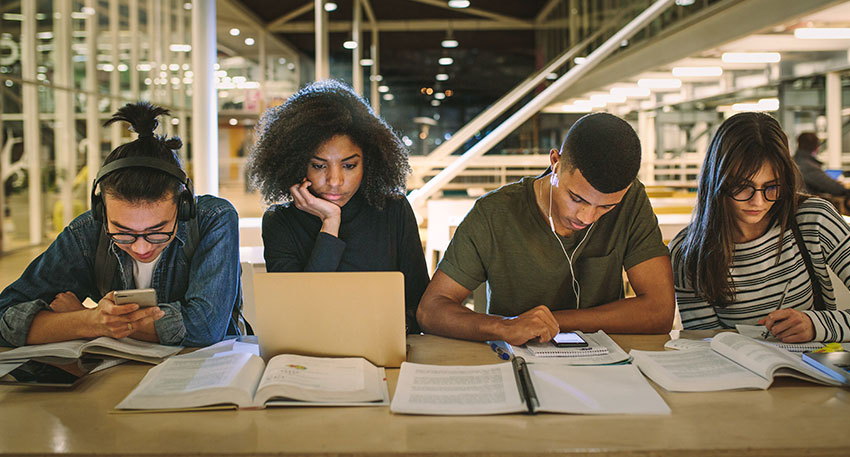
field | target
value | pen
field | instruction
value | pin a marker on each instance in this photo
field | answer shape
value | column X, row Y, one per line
column 778, row 307
column 501, row 348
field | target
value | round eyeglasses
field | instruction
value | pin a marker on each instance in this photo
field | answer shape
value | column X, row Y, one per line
column 746, row 192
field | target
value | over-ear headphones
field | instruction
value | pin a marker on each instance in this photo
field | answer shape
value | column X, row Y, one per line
column 186, row 209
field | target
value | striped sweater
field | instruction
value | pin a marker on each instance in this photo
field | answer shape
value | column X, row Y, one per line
column 758, row 279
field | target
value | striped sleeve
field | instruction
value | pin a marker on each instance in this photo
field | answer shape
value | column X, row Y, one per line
column 696, row 313
column 827, row 235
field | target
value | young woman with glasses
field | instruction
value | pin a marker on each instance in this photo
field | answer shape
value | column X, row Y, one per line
column 739, row 261
column 146, row 229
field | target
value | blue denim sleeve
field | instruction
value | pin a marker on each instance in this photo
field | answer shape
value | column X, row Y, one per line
column 214, row 288
column 62, row 267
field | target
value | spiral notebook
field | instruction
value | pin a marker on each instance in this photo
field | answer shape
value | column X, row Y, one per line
column 550, row 350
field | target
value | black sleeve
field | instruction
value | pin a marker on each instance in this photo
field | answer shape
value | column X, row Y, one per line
column 412, row 265
column 282, row 246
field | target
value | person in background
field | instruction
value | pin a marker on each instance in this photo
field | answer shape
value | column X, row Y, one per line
column 816, row 180
column 552, row 249
column 340, row 173
column 756, row 250
column 146, row 229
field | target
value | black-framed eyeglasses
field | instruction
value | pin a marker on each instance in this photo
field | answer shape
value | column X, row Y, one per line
column 746, row 192
column 150, row 237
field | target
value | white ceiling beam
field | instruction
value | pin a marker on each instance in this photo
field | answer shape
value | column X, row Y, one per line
column 425, row 25
column 471, row 11
column 290, row 15
column 546, row 10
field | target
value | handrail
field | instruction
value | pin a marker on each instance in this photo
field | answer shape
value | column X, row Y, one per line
column 418, row 197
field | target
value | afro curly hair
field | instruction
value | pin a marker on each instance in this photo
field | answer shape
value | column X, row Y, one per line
column 605, row 149
column 289, row 135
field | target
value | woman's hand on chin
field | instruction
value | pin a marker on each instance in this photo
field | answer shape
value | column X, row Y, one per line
column 327, row 211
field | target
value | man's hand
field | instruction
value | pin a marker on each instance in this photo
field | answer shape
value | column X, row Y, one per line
column 66, row 302
column 789, row 325
column 119, row 321
column 536, row 323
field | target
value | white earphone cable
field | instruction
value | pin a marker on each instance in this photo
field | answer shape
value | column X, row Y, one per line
column 576, row 284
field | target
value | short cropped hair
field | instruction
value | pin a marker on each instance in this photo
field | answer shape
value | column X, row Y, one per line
column 289, row 135
column 605, row 149
column 140, row 184
column 807, row 141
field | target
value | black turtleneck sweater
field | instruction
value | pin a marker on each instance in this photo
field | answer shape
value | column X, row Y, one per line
column 369, row 240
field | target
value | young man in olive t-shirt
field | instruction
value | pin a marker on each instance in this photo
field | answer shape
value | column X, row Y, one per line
column 552, row 249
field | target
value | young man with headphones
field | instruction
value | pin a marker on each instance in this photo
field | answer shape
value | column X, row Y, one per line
column 146, row 229
column 552, row 249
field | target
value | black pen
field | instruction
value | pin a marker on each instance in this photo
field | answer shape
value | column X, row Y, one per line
column 778, row 307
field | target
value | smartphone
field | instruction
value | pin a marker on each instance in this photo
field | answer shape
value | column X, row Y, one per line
column 142, row 297
column 50, row 372
column 569, row 340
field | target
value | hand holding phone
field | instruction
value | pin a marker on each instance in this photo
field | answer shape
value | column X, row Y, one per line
column 569, row 340
column 143, row 297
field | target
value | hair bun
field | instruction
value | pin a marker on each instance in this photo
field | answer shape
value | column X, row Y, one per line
column 142, row 117
column 174, row 143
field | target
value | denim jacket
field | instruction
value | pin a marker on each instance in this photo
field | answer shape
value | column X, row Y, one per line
column 198, row 297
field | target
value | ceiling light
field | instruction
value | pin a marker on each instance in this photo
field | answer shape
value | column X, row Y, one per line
column 429, row 91
column 350, row 44
column 552, row 76
column 235, row 32
column 575, row 109
column 811, row 33
column 446, row 61
column 579, row 60
column 684, row 2
column 449, row 92
column 180, row 48
column 634, row 91
column 458, row 3
column 388, row 97
column 439, row 95
column 249, row 41
column 187, row 6
column 383, row 89
column 330, row 6
column 589, row 103
column 684, row 72
column 764, row 104
column 449, row 43
column 751, row 57
column 123, row 67
column 366, row 62
column 660, row 83
column 232, row 121
column 607, row 98
column 442, row 77
column 433, row 103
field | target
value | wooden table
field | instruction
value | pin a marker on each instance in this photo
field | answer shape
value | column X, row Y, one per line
column 792, row 418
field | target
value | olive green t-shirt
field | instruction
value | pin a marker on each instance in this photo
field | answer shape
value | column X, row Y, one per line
column 505, row 241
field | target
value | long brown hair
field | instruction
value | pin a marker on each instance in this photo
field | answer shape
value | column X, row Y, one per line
column 740, row 147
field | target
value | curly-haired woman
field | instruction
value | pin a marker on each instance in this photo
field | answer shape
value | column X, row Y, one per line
column 344, row 169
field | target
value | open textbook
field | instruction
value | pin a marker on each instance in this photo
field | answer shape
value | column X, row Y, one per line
column 241, row 379
column 514, row 387
column 125, row 348
column 733, row 361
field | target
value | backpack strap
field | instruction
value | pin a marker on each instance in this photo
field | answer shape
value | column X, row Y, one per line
column 807, row 259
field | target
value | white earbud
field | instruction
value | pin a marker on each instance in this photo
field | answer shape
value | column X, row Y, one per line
column 553, row 180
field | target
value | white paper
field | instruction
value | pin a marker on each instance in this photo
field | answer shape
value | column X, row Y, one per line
column 595, row 340
column 456, row 390
column 619, row 389
column 756, row 331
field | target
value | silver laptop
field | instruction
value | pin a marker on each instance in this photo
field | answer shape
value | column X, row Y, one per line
column 339, row 314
